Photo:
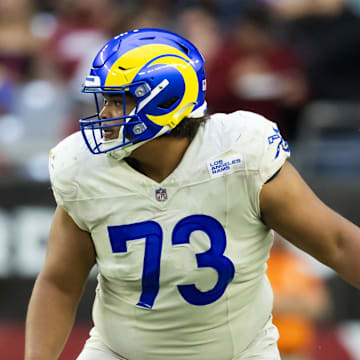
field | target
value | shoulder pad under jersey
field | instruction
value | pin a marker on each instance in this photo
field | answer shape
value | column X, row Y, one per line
column 66, row 161
column 258, row 140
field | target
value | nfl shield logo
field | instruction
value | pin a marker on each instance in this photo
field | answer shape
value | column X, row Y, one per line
column 161, row 194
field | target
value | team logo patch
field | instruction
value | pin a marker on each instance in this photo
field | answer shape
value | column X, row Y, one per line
column 225, row 164
column 161, row 194
column 283, row 145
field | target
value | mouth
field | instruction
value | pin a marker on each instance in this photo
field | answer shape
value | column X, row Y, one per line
column 110, row 134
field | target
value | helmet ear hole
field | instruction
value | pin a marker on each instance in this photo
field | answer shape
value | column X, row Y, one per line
column 167, row 104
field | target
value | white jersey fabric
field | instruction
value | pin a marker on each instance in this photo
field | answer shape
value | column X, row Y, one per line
column 182, row 262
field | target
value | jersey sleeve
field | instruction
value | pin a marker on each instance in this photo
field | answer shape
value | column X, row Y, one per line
column 64, row 164
column 260, row 141
column 275, row 151
column 264, row 152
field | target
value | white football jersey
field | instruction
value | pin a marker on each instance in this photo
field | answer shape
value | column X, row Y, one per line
column 182, row 262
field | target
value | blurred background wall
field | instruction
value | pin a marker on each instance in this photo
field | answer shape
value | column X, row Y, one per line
column 294, row 61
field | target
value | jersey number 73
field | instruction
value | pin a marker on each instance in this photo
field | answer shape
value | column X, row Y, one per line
column 152, row 232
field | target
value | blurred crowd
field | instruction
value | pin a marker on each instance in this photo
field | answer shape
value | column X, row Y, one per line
column 274, row 57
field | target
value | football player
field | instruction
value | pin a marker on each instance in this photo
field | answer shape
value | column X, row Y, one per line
column 177, row 209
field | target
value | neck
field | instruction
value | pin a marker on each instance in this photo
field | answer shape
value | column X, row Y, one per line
column 158, row 158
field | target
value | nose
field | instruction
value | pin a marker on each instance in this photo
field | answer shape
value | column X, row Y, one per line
column 106, row 113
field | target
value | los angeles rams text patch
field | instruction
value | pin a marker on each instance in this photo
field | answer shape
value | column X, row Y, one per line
column 225, row 164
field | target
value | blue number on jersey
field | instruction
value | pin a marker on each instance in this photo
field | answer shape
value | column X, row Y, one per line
column 152, row 232
column 213, row 257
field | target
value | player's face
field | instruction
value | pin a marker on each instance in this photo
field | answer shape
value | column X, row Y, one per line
column 112, row 108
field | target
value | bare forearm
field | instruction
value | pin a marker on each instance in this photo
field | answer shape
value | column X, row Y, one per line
column 347, row 262
column 49, row 321
column 337, row 247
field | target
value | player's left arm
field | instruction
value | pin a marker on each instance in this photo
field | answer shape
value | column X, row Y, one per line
column 290, row 207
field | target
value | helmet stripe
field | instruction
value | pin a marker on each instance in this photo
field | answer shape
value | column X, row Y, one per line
column 124, row 70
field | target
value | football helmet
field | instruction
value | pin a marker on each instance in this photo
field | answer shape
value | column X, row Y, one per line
column 165, row 74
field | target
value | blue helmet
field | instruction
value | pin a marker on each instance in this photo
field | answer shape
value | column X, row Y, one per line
column 163, row 72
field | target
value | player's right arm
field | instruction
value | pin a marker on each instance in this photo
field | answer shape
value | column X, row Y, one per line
column 58, row 288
